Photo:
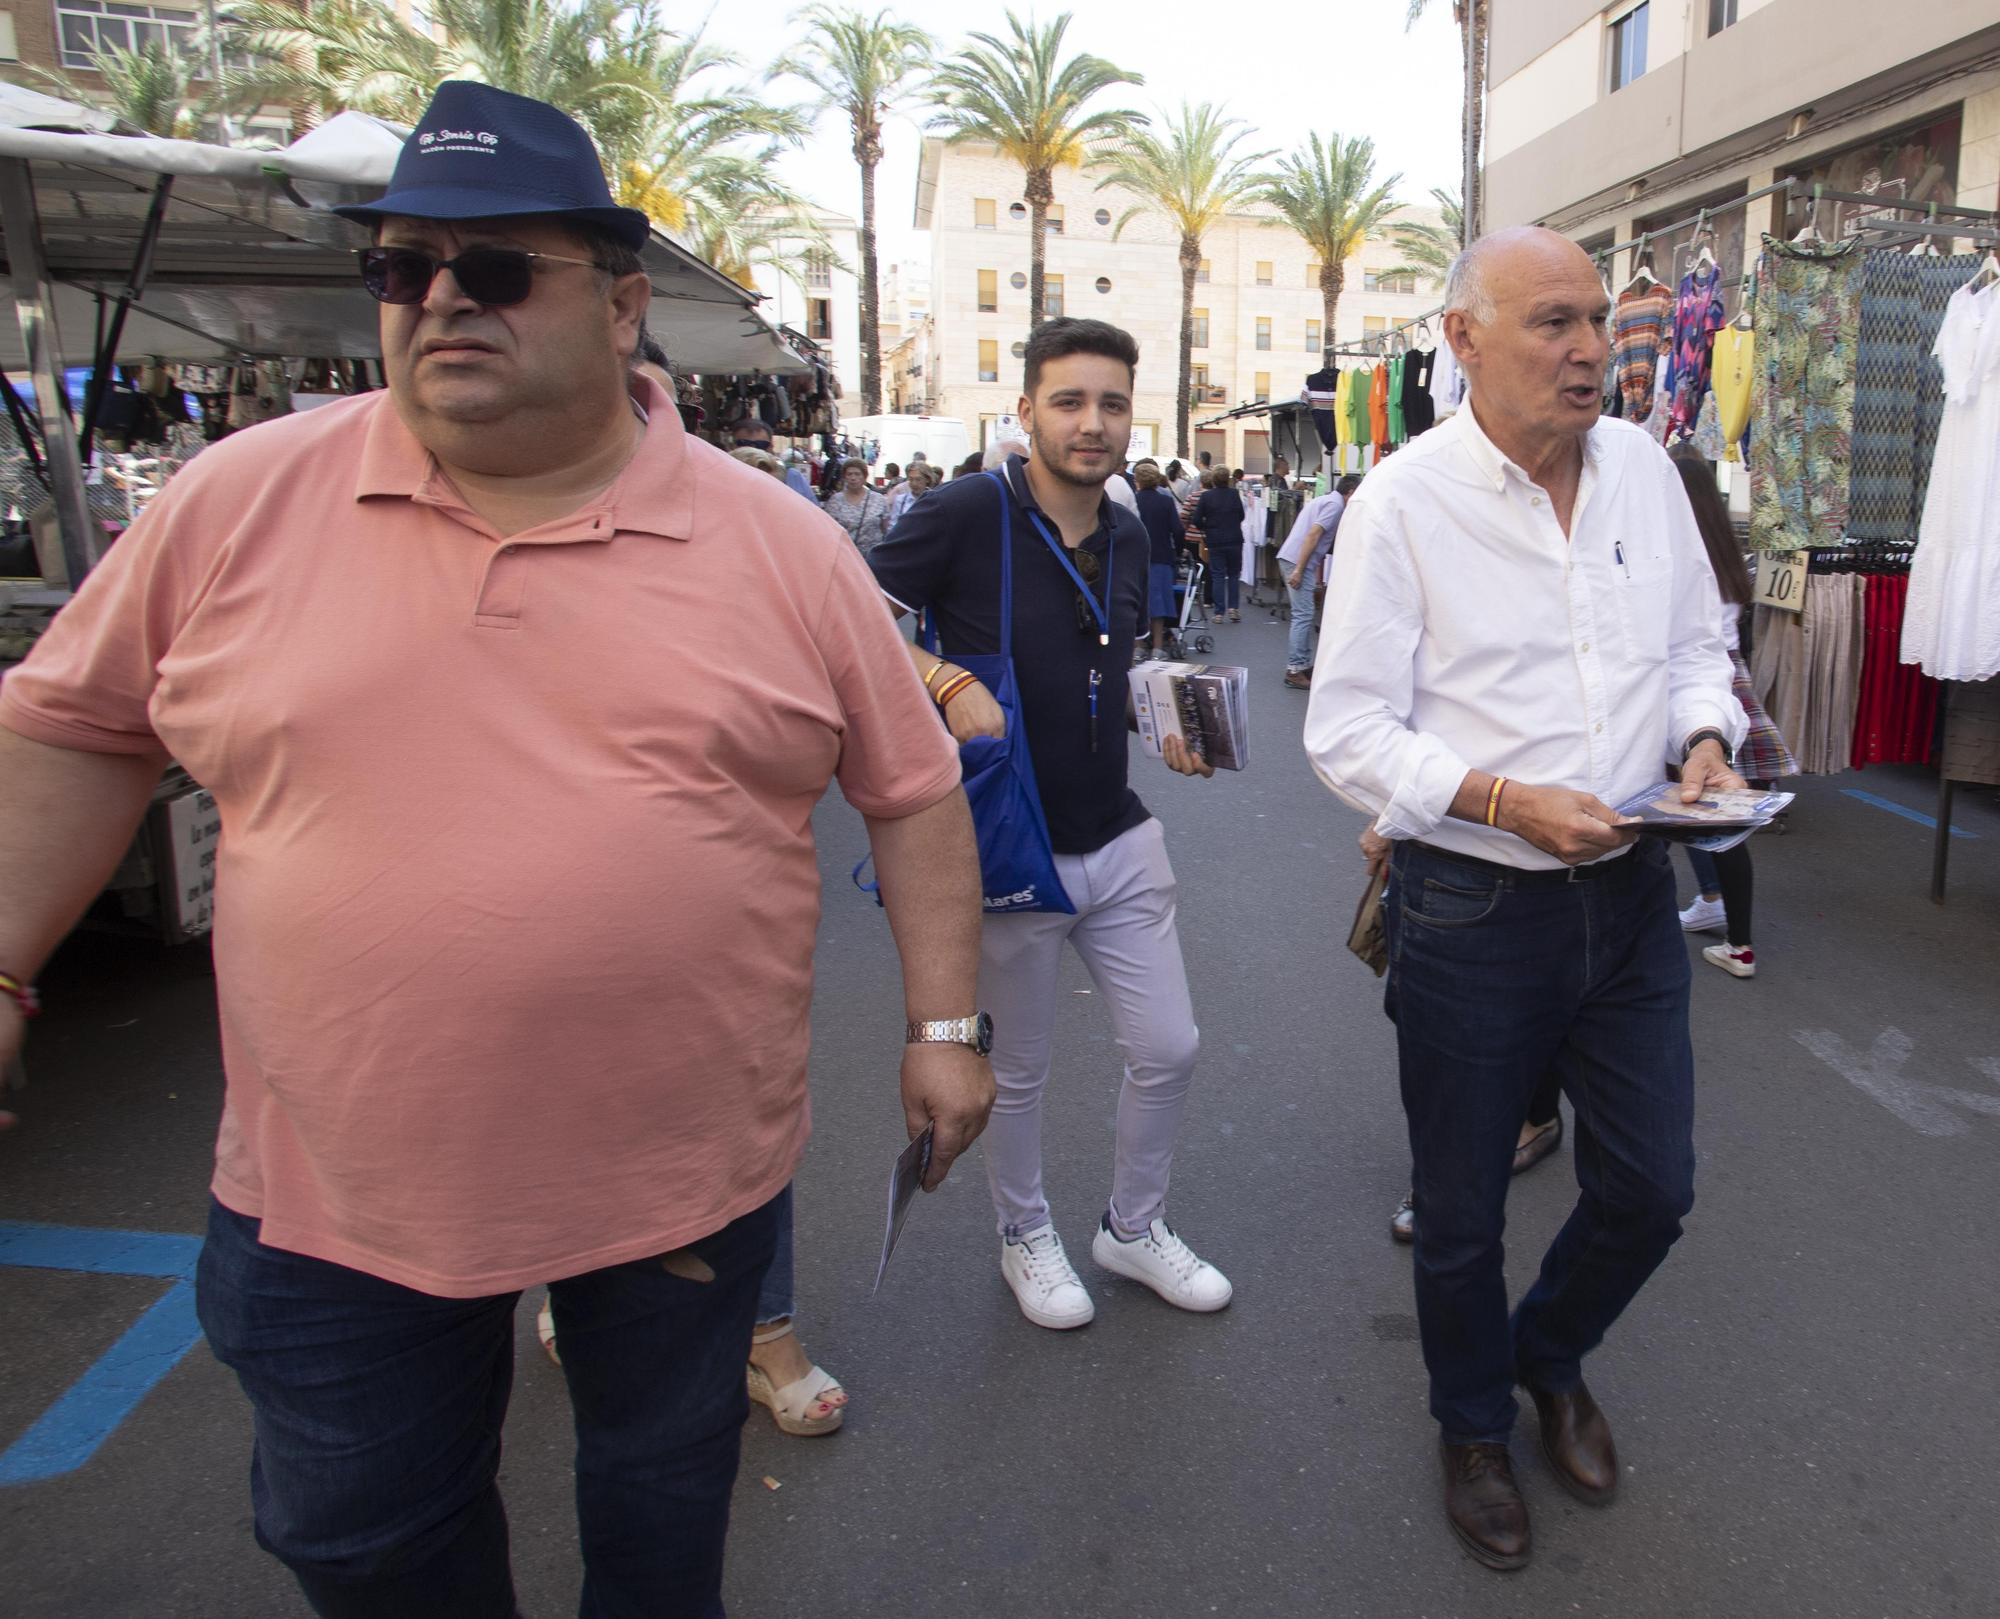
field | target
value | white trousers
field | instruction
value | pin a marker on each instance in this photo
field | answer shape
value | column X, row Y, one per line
column 1124, row 931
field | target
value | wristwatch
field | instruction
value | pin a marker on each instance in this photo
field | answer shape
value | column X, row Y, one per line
column 1710, row 734
column 975, row 1031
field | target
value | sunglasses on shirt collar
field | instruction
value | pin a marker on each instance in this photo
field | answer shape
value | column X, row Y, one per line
column 494, row 276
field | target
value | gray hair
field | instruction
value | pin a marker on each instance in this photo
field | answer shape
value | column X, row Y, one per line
column 1465, row 288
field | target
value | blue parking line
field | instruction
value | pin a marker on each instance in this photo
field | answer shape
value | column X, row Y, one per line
column 1907, row 814
column 89, row 1411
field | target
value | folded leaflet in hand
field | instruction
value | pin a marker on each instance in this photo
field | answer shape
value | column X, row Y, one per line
column 1206, row 705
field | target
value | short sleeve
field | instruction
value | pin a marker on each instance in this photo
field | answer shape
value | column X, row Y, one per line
column 88, row 682
column 913, row 565
column 896, row 758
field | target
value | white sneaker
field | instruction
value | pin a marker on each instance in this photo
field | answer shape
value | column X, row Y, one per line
column 1742, row 963
column 1044, row 1282
column 1165, row 1264
column 1703, row 916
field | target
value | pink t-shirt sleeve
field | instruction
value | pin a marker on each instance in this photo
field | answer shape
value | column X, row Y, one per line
column 88, row 681
column 896, row 757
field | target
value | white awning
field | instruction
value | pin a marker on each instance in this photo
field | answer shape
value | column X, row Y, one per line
column 250, row 264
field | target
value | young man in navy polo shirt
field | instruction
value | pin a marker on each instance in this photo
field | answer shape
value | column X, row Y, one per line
column 1080, row 568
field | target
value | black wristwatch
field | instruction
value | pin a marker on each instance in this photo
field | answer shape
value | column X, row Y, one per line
column 1710, row 734
column 975, row 1031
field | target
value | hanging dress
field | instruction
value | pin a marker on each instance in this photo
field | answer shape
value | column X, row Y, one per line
column 1802, row 417
column 1952, row 624
column 1734, row 364
column 1640, row 320
column 1697, row 316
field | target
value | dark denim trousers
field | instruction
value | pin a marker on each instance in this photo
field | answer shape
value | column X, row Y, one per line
column 377, row 1413
column 1492, row 979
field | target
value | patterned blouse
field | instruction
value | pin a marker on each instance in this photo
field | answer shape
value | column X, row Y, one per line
column 865, row 522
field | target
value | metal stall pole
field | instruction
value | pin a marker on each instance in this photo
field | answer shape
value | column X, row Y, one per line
column 34, row 304
column 106, row 357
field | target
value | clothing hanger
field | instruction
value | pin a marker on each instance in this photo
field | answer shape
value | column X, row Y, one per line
column 1704, row 240
column 1642, row 273
column 1927, row 247
column 1811, row 232
column 1989, row 268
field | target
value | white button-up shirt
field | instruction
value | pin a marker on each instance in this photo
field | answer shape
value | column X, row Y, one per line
column 1466, row 631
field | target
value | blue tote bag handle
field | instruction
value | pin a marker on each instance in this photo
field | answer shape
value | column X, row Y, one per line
column 1017, row 868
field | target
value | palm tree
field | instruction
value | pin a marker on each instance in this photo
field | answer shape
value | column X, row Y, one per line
column 1429, row 249
column 327, row 56
column 154, row 90
column 1017, row 94
column 1327, row 194
column 866, row 67
column 1475, row 27
column 1190, row 173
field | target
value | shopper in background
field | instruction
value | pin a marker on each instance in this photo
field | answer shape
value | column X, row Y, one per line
column 857, row 508
column 1725, row 880
column 1219, row 516
column 1161, row 514
column 1301, row 556
column 912, row 489
column 1179, row 483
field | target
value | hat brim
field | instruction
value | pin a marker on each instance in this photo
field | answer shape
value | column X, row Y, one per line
column 628, row 225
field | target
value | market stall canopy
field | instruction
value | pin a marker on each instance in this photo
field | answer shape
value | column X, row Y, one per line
column 22, row 108
column 250, row 264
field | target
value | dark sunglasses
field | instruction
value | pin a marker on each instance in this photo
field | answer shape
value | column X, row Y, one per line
column 494, row 276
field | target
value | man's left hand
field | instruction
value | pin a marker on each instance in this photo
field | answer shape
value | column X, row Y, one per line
column 1180, row 757
column 1708, row 771
column 947, row 1087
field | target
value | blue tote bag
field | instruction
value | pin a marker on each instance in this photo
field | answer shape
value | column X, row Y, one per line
column 1017, row 869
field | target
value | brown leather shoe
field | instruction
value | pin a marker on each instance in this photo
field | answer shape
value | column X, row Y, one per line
column 1483, row 1505
column 1576, row 1438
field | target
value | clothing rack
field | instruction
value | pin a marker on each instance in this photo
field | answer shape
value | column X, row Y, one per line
column 1375, row 346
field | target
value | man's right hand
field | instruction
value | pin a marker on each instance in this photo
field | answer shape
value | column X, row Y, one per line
column 947, row 1089
column 1574, row 827
column 973, row 712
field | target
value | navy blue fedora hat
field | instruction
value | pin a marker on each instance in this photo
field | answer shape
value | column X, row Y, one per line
column 480, row 153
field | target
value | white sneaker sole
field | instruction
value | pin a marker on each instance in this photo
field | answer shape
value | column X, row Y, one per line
column 1735, row 969
column 1715, row 926
column 1105, row 1252
column 1055, row 1323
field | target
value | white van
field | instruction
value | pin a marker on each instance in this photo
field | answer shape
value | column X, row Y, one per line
column 942, row 439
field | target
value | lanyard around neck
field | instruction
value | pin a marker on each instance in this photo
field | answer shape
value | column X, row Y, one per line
column 1101, row 614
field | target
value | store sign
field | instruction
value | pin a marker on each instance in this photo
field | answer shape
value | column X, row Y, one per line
column 194, row 829
column 1781, row 581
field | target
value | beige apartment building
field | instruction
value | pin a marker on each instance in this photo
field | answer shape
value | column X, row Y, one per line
column 1258, row 310
column 1608, row 121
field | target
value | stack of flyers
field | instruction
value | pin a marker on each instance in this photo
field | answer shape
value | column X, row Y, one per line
column 1714, row 822
column 1206, row 705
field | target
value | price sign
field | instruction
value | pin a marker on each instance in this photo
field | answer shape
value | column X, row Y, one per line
column 1781, row 581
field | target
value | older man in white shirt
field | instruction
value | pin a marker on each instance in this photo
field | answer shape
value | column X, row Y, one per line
column 1521, row 634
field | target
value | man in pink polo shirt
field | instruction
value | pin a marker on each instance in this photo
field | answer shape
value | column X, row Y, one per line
column 516, row 702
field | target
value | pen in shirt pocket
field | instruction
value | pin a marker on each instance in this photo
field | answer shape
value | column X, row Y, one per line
column 1618, row 550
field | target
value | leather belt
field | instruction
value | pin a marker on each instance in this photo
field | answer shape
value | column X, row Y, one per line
column 1520, row 877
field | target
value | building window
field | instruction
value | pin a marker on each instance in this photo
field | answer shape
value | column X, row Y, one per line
column 1201, row 328
column 1104, row 283
column 1102, row 216
column 1201, row 271
column 1628, row 47
column 984, row 213
column 989, row 359
column 1017, row 211
column 1376, row 281
column 1263, row 272
column 819, row 270
column 1721, row 13
column 10, row 50
column 1055, row 218
column 88, row 26
column 1374, row 325
column 819, row 319
column 1263, row 331
column 1052, row 297
column 1263, row 386
column 1198, row 376
column 1019, row 351
column 1312, row 337
column 989, row 292
column 1312, row 274
column 1018, row 280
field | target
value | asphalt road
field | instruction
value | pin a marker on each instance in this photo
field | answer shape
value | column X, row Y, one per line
column 1804, row 1396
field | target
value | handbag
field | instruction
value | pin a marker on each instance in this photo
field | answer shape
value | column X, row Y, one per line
column 1017, row 868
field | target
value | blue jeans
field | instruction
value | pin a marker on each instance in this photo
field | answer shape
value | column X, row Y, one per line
column 1225, row 562
column 1494, row 977
column 774, row 1299
column 1299, row 654
column 377, row 1413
